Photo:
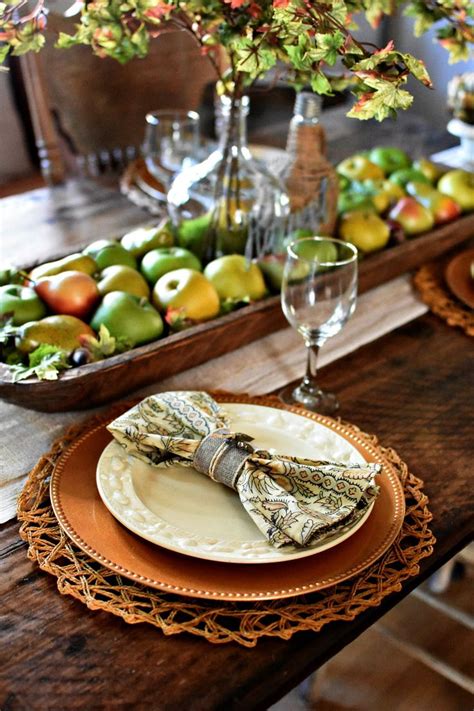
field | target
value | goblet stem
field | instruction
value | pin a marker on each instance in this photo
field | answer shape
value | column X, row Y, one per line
column 308, row 393
column 309, row 381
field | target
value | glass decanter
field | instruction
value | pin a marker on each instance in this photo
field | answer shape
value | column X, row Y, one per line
column 309, row 178
column 229, row 203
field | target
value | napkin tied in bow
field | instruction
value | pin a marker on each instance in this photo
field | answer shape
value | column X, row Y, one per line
column 292, row 500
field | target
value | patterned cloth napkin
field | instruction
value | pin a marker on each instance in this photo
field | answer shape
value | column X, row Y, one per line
column 293, row 501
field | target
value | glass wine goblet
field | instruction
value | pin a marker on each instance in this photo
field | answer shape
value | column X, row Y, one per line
column 171, row 143
column 318, row 296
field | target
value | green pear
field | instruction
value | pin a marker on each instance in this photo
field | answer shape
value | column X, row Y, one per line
column 60, row 331
column 74, row 262
column 119, row 277
column 107, row 253
column 128, row 318
column 144, row 239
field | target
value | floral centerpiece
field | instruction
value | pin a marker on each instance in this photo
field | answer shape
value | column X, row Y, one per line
column 306, row 39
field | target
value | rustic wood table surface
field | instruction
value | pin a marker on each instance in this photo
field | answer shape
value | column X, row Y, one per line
column 412, row 388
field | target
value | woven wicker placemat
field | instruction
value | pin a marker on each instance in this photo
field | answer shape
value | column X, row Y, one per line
column 430, row 283
column 101, row 589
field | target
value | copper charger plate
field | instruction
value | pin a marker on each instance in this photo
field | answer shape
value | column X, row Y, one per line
column 81, row 513
column 458, row 277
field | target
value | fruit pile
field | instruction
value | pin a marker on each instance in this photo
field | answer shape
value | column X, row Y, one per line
column 112, row 297
column 116, row 295
column 386, row 198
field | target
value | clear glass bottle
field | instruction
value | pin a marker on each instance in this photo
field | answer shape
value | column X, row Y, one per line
column 229, row 203
column 309, row 178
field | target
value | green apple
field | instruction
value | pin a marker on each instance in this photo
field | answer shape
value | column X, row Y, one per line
column 365, row 230
column 107, row 253
column 408, row 175
column 236, row 278
column 61, row 330
column 22, row 303
column 272, row 267
column 296, row 235
column 9, row 275
column 167, row 259
column 412, row 216
column 323, row 251
column 188, row 292
column 193, row 234
column 358, row 167
column 389, row 159
column 430, row 170
column 348, row 202
column 443, row 207
column 122, row 278
column 459, row 184
column 74, row 262
column 129, row 318
column 144, row 239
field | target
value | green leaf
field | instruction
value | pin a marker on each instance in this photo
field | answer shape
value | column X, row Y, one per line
column 418, row 69
column 46, row 362
column 253, row 58
column 103, row 346
column 320, row 84
column 382, row 103
column 327, row 46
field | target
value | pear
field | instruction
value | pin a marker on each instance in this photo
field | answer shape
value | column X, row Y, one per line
column 73, row 293
column 119, row 277
column 74, row 262
column 60, row 331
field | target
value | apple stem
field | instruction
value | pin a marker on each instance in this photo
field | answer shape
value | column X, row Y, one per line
column 26, row 277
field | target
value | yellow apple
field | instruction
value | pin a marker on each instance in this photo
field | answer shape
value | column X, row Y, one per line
column 359, row 167
column 189, row 292
column 365, row 230
column 234, row 277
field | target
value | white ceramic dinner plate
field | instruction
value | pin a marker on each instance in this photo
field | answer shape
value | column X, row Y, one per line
column 184, row 511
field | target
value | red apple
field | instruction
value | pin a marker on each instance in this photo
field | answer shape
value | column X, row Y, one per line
column 443, row 207
column 412, row 216
column 72, row 293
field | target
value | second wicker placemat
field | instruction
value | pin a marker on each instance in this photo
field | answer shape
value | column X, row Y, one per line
column 101, row 589
column 430, row 283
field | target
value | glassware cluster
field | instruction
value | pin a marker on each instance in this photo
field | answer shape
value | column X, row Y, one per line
column 231, row 203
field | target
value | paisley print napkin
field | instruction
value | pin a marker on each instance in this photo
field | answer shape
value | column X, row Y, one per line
column 293, row 501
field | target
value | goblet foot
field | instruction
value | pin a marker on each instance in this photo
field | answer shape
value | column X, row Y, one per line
column 313, row 399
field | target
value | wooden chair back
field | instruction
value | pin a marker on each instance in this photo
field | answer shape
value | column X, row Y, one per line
column 89, row 113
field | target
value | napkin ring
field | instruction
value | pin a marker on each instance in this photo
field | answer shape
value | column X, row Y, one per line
column 222, row 455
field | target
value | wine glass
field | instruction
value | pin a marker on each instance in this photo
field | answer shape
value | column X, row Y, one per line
column 318, row 295
column 171, row 143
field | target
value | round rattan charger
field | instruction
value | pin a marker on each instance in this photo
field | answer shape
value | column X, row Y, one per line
column 101, row 589
column 430, row 282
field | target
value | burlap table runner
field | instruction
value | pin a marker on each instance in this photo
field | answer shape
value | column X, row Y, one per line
column 100, row 589
column 260, row 367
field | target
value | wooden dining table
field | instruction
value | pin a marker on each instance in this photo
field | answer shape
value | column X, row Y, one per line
column 412, row 387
